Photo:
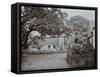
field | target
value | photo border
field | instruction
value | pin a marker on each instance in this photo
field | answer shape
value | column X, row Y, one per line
column 19, row 52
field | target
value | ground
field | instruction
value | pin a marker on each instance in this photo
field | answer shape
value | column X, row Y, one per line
column 44, row 61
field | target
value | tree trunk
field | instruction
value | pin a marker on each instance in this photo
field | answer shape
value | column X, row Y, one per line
column 24, row 39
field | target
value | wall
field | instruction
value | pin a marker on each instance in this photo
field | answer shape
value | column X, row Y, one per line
column 5, row 41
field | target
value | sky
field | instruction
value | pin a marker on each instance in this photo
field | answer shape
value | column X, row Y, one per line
column 89, row 14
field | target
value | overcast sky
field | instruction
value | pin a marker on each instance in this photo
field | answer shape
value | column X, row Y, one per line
column 89, row 14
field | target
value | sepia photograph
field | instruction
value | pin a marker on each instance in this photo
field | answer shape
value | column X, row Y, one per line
column 56, row 38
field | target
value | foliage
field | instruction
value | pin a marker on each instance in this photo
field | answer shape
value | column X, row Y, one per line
column 79, row 23
column 47, row 21
column 81, row 56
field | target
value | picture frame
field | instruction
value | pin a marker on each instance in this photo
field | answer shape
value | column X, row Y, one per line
column 49, row 26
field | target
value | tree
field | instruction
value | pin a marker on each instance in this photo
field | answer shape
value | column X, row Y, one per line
column 79, row 23
column 81, row 54
column 44, row 20
column 80, row 27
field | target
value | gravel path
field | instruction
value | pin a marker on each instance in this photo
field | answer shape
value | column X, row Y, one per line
column 44, row 61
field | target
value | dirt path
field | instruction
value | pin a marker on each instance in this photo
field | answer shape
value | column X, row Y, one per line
column 44, row 61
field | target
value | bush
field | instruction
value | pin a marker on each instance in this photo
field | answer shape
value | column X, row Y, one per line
column 80, row 56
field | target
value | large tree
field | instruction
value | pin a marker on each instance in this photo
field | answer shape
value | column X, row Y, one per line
column 44, row 20
column 81, row 54
column 80, row 26
column 79, row 23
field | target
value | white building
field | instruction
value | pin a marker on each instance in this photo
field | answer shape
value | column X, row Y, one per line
column 55, row 43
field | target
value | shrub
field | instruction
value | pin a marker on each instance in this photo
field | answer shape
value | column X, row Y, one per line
column 81, row 56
